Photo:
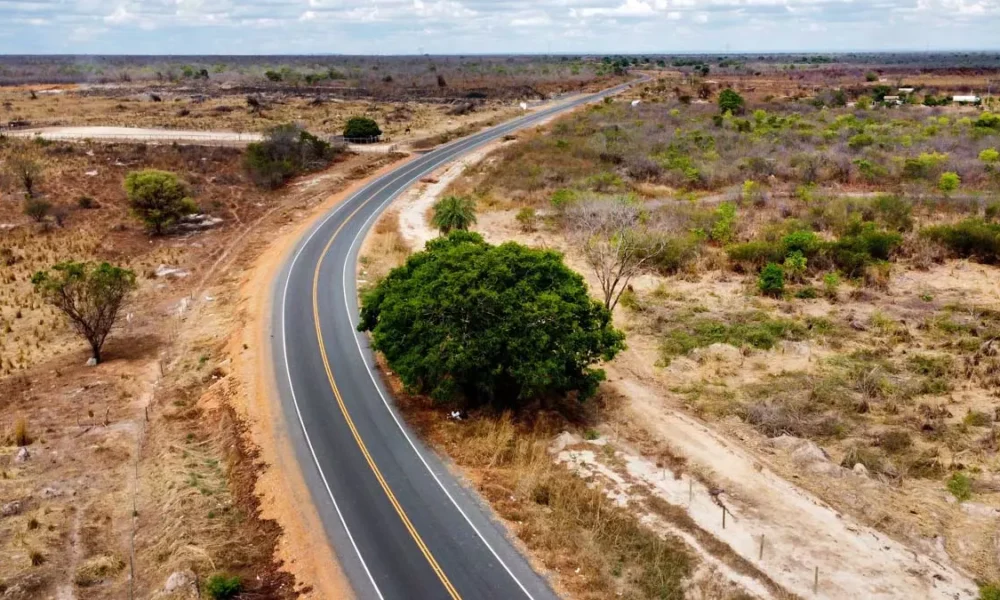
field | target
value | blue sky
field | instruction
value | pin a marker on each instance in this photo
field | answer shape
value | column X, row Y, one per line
column 492, row 26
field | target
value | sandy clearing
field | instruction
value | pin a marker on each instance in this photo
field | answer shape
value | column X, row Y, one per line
column 304, row 547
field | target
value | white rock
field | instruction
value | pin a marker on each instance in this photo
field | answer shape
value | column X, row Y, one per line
column 563, row 440
column 91, row 362
column 180, row 580
column 91, row 173
column 50, row 492
column 170, row 272
column 10, row 509
column 860, row 469
column 22, row 455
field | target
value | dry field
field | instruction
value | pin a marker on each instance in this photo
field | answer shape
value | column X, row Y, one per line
column 139, row 472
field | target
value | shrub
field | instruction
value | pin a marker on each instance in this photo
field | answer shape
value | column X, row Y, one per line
column 976, row 418
column 871, row 76
column 562, row 198
column 286, row 151
column 831, row 284
column 725, row 218
column 960, row 486
column 86, row 203
column 526, row 217
column 861, row 246
column 988, row 120
column 755, row 254
column 923, row 166
column 157, row 198
column 894, row 212
column 989, row 156
column 949, row 182
column 37, row 209
column 971, row 238
column 443, row 322
column 221, row 587
column 805, row 242
column 771, row 281
column 453, row 213
column 361, row 128
column 21, row 435
column 752, row 329
column 731, row 102
column 895, row 440
column 989, row 591
column 671, row 254
column 861, row 140
column 795, row 265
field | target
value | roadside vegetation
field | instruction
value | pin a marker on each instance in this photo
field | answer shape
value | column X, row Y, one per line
column 801, row 268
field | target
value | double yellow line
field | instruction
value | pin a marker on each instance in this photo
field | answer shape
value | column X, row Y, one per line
column 354, row 431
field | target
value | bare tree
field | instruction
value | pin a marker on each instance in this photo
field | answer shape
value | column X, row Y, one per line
column 614, row 244
column 23, row 169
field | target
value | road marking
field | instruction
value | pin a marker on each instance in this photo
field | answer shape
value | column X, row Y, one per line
column 471, row 142
column 350, row 422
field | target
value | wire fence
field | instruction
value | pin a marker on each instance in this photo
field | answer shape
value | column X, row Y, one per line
column 235, row 139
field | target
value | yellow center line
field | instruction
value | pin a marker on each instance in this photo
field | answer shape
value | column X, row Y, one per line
column 350, row 423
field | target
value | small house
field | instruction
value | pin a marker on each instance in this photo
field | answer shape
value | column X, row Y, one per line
column 965, row 99
column 893, row 100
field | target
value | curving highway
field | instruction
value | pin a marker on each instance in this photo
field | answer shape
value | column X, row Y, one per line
column 402, row 525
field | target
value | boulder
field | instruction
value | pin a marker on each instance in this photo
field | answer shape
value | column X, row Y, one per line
column 180, row 581
column 860, row 470
column 22, row 455
column 10, row 509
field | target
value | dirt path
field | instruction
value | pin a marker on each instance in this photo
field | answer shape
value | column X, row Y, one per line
column 801, row 533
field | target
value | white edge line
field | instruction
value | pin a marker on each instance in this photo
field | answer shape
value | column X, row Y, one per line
column 357, row 340
column 350, row 320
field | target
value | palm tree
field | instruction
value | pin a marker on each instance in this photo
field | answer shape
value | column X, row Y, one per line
column 454, row 212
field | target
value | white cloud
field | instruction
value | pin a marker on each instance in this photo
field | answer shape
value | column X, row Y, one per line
column 463, row 26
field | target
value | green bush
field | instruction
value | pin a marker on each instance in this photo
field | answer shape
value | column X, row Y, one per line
column 989, row 591
column 771, row 281
column 831, row 285
column 157, row 198
column 755, row 254
column 795, row 265
column 731, row 102
column 971, row 238
column 444, row 320
column 361, row 128
column 949, row 182
column 286, row 151
column 988, row 120
column 989, row 156
column 893, row 211
column 220, row 587
column 562, row 198
column 527, row 219
column 863, row 245
column 861, row 140
column 725, row 219
column 805, row 242
column 454, row 212
column 960, row 486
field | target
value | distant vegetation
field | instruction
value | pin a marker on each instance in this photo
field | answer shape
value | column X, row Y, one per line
column 286, row 151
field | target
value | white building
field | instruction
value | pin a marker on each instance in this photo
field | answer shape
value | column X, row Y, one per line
column 965, row 99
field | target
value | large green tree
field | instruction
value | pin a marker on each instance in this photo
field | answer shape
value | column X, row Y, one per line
column 454, row 212
column 499, row 325
column 91, row 297
column 361, row 128
column 731, row 102
column 157, row 198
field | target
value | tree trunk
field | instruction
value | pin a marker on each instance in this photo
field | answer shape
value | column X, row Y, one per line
column 95, row 351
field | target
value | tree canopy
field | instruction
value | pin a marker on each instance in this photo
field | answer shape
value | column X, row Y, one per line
column 453, row 212
column 286, row 151
column 90, row 297
column 361, row 127
column 731, row 102
column 157, row 198
column 499, row 325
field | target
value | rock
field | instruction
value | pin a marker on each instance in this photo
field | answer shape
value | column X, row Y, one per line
column 563, row 440
column 22, row 455
column 170, row 272
column 10, row 509
column 91, row 173
column 91, row 362
column 50, row 492
column 860, row 469
column 180, row 581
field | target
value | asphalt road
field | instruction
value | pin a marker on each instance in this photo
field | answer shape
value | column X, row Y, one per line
column 402, row 525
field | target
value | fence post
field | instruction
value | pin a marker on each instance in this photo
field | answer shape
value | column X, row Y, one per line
column 760, row 556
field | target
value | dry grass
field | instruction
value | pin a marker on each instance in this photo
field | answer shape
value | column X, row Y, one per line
column 593, row 548
column 384, row 249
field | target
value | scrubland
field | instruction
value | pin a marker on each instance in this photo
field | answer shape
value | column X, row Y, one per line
column 818, row 284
